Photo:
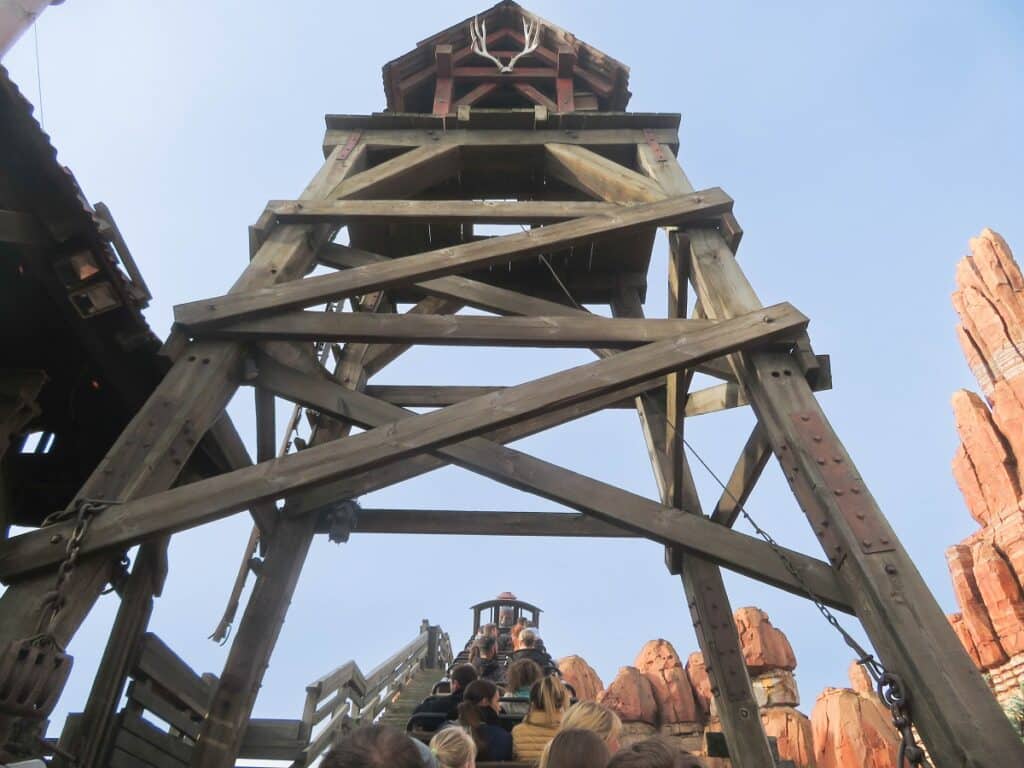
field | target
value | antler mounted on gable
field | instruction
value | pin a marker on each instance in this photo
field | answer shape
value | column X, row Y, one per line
column 478, row 35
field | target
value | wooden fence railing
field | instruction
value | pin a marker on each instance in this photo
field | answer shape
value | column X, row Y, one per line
column 346, row 698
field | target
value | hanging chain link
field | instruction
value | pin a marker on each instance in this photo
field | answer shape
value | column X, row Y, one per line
column 890, row 687
column 54, row 601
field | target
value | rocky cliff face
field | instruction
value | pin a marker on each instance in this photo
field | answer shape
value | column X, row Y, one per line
column 988, row 567
column 659, row 694
column 851, row 727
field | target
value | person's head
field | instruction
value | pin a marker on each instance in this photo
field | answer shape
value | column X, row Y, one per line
column 454, row 748
column 486, row 646
column 591, row 716
column 462, row 675
column 548, row 695
column 527, row 638
column 654, row 752
column 374, row 746
column 479, row 696
column 523, row 674
column 489, row 630
column 575, row 748
column 521, row 622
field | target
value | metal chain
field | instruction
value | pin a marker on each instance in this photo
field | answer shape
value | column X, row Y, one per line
column 890, row 687
column 53, row 601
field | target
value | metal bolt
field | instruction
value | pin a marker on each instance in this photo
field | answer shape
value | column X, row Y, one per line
column 884, row 540
column 866, row 542
column 837, row 492
column 804, row 417
column 744, row 713
column 890, row 569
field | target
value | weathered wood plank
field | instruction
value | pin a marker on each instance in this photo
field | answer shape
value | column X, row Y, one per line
column 476, row 211
column 459, row 258
column 751, row 463
column 702, row 581
column 418, row 168
column 458, row 330
column 501, row 137
column 596, row 175
column 486, row 523
column 216, row 497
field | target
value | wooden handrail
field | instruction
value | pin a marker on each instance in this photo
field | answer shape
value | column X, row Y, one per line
column 346, row 698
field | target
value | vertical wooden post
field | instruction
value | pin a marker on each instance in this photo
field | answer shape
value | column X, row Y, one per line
column 702, row 581
column 565, row 93
column 95, row 727
column 952, row 707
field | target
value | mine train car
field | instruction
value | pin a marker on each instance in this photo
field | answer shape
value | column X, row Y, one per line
column 504, row 612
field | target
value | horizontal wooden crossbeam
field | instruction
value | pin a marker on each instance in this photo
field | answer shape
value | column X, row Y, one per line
column 460, row 258
column 485, row 523
column 502, row 138
column 474, row 293
column 459, row 330
column 210, row 499
column 477, row 211
column 695, row 533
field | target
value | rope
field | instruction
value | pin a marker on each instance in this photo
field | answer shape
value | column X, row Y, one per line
column 39, row 77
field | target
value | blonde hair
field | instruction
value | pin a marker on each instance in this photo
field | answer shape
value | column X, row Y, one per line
column 549, row 695
column 591, row 716
column 453, row 747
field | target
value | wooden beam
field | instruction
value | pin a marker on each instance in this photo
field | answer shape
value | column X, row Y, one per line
column 536, row 96
column 484, row 296
column 564, row 87
column 702, row 580
column 751, row 463
column 481, row 523
column 402, row 176
column 211, row 499
column 596, row 175
column 477, row 93
column 459, row 330
column 952, row 707
column 445, row 82
column 501, row 138
column 476, row 211
column 459, row 258
column 744, row 554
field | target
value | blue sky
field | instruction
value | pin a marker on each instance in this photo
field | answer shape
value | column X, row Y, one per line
column 864, row 144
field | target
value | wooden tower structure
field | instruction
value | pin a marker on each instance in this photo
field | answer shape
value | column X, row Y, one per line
column 503, row 119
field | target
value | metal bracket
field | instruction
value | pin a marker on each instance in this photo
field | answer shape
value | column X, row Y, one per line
column 349, row 145
column 842, row 483
column 652, row 141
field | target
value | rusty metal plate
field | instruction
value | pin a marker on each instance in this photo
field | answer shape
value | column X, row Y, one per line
column 843, row 484
column 655, row 145
column 350, row 144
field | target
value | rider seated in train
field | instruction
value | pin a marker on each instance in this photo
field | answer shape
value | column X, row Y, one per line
column 461, row 677
column 478, row 713
column 484, row 657
column 375, row 746
column 548, row 701
column 520, row 677
column 533, row 649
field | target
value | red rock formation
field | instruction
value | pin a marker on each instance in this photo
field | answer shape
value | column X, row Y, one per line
column 660, row 663
column 975, row 617
column 793, row 734
column 631, row 696
column 764, row 647
column 988, row 567
column 581, row 676
column 700, row 682
column 852, row 731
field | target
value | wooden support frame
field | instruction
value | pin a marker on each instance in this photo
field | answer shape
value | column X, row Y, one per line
column 258, row 321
